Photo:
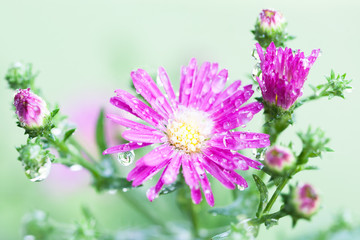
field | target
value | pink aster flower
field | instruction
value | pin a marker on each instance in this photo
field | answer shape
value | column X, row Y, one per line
column 271, row 19
column 192, row 131
column 283, row 74
column 279, row 158
column 30, row 108
column 306, row 200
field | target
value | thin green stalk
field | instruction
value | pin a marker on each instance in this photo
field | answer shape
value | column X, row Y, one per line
column 194, row 220
column 142, row 210
column 82, row 149
column 275, row 195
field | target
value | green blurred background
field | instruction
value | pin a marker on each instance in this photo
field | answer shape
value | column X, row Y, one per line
column 86, row 49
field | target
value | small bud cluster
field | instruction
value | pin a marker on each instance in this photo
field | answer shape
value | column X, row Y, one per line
column 35, row 160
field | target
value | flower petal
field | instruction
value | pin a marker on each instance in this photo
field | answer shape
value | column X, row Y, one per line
column 144, row 136
column 125, row 147
column 172, row 170
column 236, row 178
column 147, row 88
column 128, row 123
column 141, row 110
column 141, row 174
column 238, row 118
column 186, row 82
column 164, row 78
column 201, row 78
column 240, row 140
column 156, row 156
column 218, row 172
column 205, row 184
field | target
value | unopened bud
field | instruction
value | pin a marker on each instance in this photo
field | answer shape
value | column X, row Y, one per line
column 270, row 27
column 35, row 160
column 306, row 200
column 279, row 158
column 30, row 108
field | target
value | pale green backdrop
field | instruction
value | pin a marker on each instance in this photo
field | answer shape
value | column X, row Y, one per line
column 86, row 49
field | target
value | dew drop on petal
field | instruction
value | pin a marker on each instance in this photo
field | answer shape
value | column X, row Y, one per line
column 126, row 158
column 238, row 103
column 241, row 188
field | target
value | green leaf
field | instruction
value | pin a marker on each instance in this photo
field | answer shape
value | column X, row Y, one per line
column 263, row 194
column 54, row 112
column 100, row 132
column 244, row 204
column 310, row 168
column 68, row 134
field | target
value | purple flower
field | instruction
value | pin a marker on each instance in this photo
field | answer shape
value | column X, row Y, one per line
column 271, row 19
column 278, row 158
column 191, row 131
column 283, row 74
column 306, row 200
column 30, row 108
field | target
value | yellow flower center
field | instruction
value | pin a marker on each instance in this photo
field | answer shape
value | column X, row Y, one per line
column 185, row 136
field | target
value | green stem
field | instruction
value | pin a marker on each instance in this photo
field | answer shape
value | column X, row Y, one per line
column 277, row 215
column 193, row 218
column 76, row 144
column 142, row 210
column 275, row 195
column 77, row 159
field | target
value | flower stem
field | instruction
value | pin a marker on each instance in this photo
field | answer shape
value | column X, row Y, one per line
column 275, row 195
column 142, row 210
column 193, row 218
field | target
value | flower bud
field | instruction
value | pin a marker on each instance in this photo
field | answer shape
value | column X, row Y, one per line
column 270, row 27
column 35, row 160
column 279, row 158
column 271, row 20
column 20, row 75
column 306, row 200
column 30, row 108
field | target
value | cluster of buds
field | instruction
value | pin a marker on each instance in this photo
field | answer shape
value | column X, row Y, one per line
column 271, row 27
column 35, row 160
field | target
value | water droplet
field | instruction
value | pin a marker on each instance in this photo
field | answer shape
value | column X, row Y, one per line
column 76, row 167
column 29, row 237
column 238, row 103
column 227, row 125
column 139, row 143
column 39, row 174
column 139, row 90
column 187, row 91
column 112, row 191
column 126, row 158
column 160, row 100
column 241, row 188
column 125, row 189
column 211, row 100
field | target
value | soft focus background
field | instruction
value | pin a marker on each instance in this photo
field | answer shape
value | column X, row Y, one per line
column 86, row 49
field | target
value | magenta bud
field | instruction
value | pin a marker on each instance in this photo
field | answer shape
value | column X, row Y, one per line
column 306, row 200
column 30, row 108
column 279, row 158
column 271, row 19
column 283, row 73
